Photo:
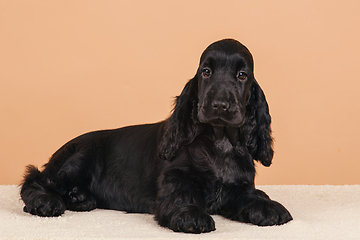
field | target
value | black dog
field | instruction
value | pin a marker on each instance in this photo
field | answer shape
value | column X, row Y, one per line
column 199, row 161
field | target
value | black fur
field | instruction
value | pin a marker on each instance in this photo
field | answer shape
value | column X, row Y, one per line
column 200, row 161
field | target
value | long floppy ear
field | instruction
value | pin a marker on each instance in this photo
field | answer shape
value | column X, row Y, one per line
column 257, row 126
column 182, row 126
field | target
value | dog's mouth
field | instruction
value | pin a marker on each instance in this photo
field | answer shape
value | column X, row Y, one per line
column 217, row 122
column 221, row 122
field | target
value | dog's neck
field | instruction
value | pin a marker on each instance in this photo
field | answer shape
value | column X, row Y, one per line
column 226, row 138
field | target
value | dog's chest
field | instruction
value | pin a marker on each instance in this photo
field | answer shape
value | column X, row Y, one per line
column 223, row 163
column 223, row 145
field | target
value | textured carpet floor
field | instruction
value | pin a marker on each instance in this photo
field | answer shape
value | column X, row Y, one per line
column 319, row 212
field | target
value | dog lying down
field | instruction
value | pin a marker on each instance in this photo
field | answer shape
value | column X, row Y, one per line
column 198, row 162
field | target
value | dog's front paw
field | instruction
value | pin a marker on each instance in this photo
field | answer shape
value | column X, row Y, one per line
column 191, row 220
column 266, row 213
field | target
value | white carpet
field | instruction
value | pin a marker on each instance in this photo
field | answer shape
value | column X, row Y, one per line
column 319, row 212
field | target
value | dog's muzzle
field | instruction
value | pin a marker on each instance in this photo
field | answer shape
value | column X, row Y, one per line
column 221, row 113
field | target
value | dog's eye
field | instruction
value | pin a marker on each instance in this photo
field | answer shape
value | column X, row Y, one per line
column 241, row 76
column 206, row 72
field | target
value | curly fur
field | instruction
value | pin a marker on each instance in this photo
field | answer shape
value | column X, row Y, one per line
column 198, row 162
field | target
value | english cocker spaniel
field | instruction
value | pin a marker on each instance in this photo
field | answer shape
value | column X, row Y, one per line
column 198, row 162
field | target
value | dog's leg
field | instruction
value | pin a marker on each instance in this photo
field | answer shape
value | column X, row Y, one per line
column 255, row 207
column 60, row 186
column 73, row 175
column 80, row 199
column 179, row 204
column 37, row 196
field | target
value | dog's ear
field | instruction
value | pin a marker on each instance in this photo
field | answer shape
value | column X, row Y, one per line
column 257, row 129
column 182, row 126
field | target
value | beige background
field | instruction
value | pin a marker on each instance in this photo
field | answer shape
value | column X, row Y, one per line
column 69, row 67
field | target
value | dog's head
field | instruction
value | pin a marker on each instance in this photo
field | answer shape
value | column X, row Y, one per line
column 223, row 93
column 225, row 75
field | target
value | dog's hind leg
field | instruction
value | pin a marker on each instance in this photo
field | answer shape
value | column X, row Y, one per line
column 74, row 173
column 80, row 199
column 60, row 186
column 37, row 196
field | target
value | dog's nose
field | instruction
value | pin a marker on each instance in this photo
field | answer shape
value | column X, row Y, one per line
column 221, row 106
